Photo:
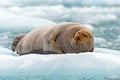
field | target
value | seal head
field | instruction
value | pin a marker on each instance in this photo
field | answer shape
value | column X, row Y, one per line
column 83, row 39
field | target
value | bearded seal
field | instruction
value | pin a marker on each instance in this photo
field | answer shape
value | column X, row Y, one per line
column 68, row 37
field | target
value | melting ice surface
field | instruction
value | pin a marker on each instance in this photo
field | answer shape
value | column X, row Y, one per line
column 21, row 16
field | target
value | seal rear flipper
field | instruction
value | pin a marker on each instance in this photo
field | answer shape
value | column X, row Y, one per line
column 16, row 41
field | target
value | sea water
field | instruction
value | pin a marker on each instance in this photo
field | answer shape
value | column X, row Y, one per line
column 101, row 17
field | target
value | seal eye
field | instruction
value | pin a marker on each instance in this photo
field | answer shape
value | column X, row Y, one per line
column 78, row 32
column 84, row 35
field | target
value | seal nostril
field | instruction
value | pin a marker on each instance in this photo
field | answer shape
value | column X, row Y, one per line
column 78, row 38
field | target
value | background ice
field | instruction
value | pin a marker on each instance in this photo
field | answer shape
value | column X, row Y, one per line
column 103, row 21
column 96, row 14
column 14, row 24
column 11, row 22
column 58, row 2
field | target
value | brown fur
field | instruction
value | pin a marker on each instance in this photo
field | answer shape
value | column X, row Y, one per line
column 61, row 38
column 84, row 36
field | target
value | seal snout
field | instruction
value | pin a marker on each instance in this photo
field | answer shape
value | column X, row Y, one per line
column 81, row 36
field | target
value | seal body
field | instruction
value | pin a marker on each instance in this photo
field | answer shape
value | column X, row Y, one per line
column 66, row 37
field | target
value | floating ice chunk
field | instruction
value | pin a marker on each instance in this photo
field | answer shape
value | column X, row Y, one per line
column 58, row 2
column 113, row 77
column 107, row 51
column 6, row 3
column 101, row 61
column 62, row 13
column 89, row 26
column 5, row 51
column 99, row 40
column 15, row 9
column 104, row 17
column 13, row 22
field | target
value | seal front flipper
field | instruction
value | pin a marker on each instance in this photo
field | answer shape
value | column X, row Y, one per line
column 52, row 42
